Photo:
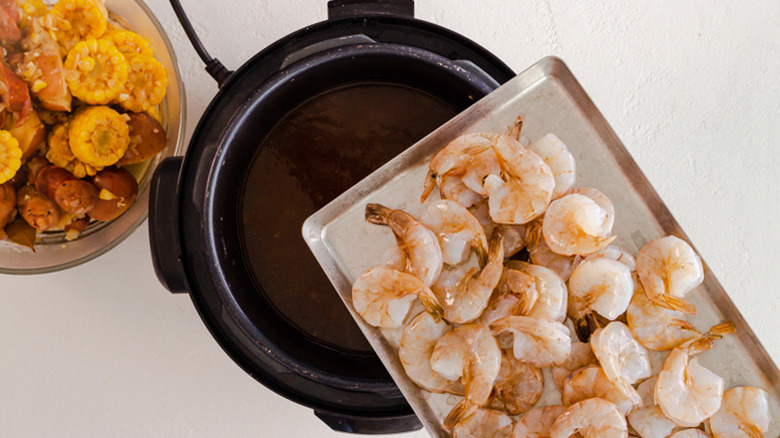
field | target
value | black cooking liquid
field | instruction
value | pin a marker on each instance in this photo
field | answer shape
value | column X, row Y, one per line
column 312, row 155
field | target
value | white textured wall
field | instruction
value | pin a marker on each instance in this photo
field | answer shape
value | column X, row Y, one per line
column 691, row 87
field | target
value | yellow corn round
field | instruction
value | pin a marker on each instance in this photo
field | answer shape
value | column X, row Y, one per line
column 98, row 136
column 129, row 43
column 74, row 20
column 145, row 86
column 30, row 9
column 60, row 155
column 10, row 156
column 96, row 71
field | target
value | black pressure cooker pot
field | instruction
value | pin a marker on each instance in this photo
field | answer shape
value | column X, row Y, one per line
column 299, row 123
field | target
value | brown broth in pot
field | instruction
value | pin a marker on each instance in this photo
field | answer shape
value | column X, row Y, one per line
column 316, row 152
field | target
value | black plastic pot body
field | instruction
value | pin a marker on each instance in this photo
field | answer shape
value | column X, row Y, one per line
column 194, row 224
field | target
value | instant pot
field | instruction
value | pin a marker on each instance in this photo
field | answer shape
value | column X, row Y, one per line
column 223, row 219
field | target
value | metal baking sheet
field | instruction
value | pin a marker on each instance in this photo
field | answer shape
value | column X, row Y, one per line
column 552, row 101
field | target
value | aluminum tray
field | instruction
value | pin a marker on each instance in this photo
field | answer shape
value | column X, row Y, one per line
column 552, row 101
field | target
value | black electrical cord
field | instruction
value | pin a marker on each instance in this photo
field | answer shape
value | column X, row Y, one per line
column 213, row 66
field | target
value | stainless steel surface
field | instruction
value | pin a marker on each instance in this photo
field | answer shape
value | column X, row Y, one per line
column 552, row 101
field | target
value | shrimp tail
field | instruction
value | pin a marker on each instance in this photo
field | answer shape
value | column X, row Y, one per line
column 458, row 413
column 496, row 245
column 685, row 325
column 482, row 252
column 751, row 430
column 378, row 214
column 674, row 303
column 526, row 303
column 514, row 129
column 585, row 326
column 702, row 344
column 724, row 328
column 430, row 183
column 431, row 303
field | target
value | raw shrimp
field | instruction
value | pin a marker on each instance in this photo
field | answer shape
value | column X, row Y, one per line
column 649, row 421
column 482, row 164
column 689, row 433
column 465, row 298
column 484, row 423
column 523, row 190
column 469, row 352
column 419, row 244
column 669, row 268
column 592, row 418
column 655, row 327
column 614, row 252
column 622, row 358
column 538, row 342
column 383, row 297
column 519, row 285
column 562, row 265
column 591, row 382
column 514, row 235
column 552, row 294
column 457, row 229
column 416, row 346
column 536, row 423
column 744, row 412
column 452, row 187
column 555, row 153
column 598, row 285
column 517, row 387
column 579, row 223
column 456, row 158
column 581, row 356
column 687, row 392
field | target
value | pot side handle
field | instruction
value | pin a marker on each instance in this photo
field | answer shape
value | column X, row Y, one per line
column 354, row 8
column 368, row 425
column 163, row 225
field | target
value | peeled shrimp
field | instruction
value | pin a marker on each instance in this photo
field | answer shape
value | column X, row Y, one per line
column 622, row 358
column 469, row 352
column 514, row 235
column 555, row 153
column 687, row 392
column 655, row 327
column 579, row 223
column 517, row 387
column 538, row 342
column 551, row 303
column 383, row 297
column 591, row 382
column 669, row 268
column 456, row 158
column 689, row 433
column 649, row 421
column 581, row 356
column 452, row 187
column 457, row 230
column 592, row 418
column 523, row 190
column 598, row 285
column 416, row 345
column 744, row 412
column 562, row 265
column 466, row 297
column 614, row 252
column 419, row 244
column 484, row 423
column 536, row 423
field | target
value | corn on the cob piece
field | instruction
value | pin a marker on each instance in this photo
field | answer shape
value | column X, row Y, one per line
column 96, row 71
column 74, row 20
column 98, row 136
column 129, row 43
column 146, row 84
column 10, row 156
column 60, row 154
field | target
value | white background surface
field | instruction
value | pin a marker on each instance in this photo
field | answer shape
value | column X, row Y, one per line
column 690, row 87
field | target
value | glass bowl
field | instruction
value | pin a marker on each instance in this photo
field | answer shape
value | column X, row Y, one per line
column 52, row 251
